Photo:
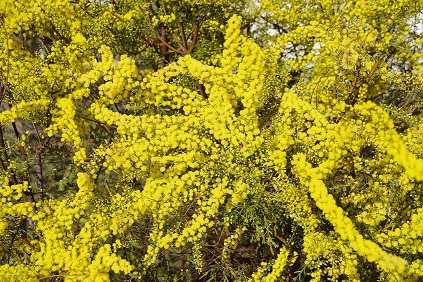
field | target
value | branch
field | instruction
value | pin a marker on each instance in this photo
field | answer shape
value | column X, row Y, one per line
column 115, row 6
column 202, row 90
column 44, row 45
column 195, row 36
column 103, row 125
column 167, row 45
column 23, row 40
column 4, row 159
column 373, row 70
column 184, row 37
column 59, row 34
column 353, row 87
column 39, row 172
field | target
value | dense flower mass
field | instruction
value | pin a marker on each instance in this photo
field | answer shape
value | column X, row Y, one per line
column 218, row 140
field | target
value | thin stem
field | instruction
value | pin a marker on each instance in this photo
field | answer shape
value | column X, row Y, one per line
column 195, row 37
column 5, row 158
column 202, row 90
column 167, row 45
column 373, row 70
column 184, row 37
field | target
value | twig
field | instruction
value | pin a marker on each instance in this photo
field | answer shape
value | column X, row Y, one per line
column 202, row 90
column 167, row 44
column 104, row 126
column 195, row 36
column 115, row 6
column 44, row 45
column 6, row 82
column 372, row 71
column 184, row 37
column 4, row 160
column 58, row 33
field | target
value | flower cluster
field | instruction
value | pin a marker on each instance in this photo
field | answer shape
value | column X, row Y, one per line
column 150, row 152
column 277, row 268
